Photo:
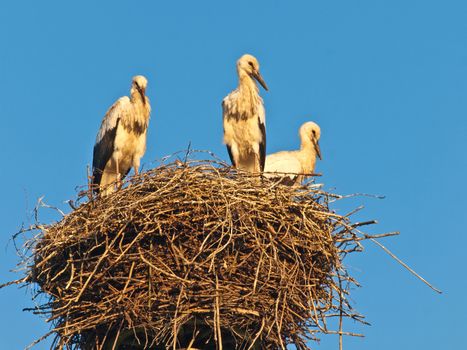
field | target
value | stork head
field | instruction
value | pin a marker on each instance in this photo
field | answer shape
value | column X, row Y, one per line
column 139, row 84
column 249, row 64
column 312, row 132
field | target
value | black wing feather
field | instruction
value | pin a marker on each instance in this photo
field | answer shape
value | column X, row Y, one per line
column 289, row 180
column 229, row 149
column 102, row 152
column 262, row 145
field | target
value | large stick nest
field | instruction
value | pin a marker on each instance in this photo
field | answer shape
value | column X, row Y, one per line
column 194, row 254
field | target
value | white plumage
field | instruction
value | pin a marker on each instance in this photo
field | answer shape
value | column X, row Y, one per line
column 244, row 118
column 293, row 166
column 121, row 140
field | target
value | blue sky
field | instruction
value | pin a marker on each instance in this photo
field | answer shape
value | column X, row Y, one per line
column 386, row 81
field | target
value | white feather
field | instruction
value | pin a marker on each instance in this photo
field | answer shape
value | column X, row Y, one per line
column 118, row 110
column 282, row 163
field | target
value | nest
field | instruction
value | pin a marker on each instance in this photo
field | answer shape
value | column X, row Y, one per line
column 195, row 255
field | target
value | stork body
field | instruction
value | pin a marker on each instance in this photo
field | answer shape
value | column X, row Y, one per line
column 245, row 119
column 121, row 140
column 292, row 166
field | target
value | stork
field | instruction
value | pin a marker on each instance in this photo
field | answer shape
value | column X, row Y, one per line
column 244, row 118
column 292, row 166
column 121, row 140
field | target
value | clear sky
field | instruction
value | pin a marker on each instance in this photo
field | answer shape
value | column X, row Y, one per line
column 386, row 81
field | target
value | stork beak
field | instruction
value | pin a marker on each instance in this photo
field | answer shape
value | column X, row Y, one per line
column 141, row 92
column 260, row 80
column 317, row 149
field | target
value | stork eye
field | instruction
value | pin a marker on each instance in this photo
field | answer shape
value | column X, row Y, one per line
column 251, row 64
column 314, row 133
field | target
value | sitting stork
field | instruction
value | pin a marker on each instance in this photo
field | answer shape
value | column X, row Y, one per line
column 121, row 140
column 293, row 166
column 244, row 118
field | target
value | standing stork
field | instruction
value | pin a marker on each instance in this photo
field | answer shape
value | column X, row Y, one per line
column 293, row 166
column 244, row 118
column 121, row 140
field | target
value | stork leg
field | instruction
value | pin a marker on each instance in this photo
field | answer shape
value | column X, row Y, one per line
column 119, row 176
column 136, row 166
column 257, row 164
column 234, row 154
column 258, row 168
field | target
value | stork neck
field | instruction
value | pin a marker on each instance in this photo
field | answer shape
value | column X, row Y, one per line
column 136, row 97
column 306, row 145
column 247, row 83
column 308, row 154
column 141, row 107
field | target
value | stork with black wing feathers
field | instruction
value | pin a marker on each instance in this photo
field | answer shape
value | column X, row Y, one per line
column 121, row 140
column 245, row 119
